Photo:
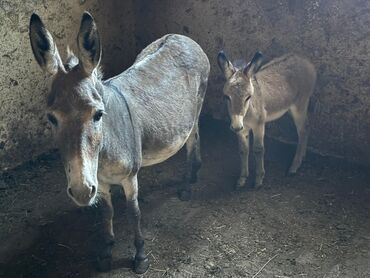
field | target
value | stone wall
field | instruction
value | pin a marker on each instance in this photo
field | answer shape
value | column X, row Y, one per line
column 24, row 132
column 333, row 34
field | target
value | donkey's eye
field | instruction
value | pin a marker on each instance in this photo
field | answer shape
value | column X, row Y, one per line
column 52, row 119
column 226, row 97
column 98, row 115
column 248, row 97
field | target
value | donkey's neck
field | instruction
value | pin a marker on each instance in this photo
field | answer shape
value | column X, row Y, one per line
column 121, row 140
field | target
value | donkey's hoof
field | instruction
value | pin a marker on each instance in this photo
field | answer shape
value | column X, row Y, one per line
column 184, row 195
column 291, row 173
column 104, row 264
column 240, row 187
column 141, row 265
column 241, row 184
column 258, row 184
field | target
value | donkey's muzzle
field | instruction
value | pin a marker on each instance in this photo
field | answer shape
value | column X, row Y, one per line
column 236, row 129
column 82, row 195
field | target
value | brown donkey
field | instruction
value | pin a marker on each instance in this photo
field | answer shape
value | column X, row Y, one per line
column 256, row 95
column 107, row 130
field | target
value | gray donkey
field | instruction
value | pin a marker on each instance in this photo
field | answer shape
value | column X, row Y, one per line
column 107, row 130
column 258, row 94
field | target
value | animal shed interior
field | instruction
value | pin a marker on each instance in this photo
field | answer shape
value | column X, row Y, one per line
column 315, row 224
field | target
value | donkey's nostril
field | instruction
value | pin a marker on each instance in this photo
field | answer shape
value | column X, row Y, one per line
column 93, row 190
column 70, row 191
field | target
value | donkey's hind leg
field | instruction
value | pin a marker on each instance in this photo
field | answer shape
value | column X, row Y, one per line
column 193, row 163
column 299, row 114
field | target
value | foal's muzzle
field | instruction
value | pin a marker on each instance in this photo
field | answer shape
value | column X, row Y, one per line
column 236, row 123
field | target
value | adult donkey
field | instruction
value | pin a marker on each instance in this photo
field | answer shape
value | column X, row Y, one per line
column 107, row 130
column 256, row 95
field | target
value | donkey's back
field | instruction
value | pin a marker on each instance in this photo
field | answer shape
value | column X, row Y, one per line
column 285, row 81
column 165, row 87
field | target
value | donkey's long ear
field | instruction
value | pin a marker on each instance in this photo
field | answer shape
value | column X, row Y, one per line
column 88, row 42
column 254, row 65
column 225, row 65
column 43, row 46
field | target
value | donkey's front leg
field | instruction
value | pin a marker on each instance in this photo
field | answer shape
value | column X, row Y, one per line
column 130, row 186
column 104, row 252
column 259, row 152
column 243, row 138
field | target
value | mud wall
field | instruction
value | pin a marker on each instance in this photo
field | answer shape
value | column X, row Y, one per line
column 333, row 34
column 24, row 132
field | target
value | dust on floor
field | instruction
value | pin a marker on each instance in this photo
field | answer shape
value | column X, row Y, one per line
column 316, row 224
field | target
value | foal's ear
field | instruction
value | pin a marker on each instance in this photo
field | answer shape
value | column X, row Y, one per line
column 225, row 65
column 43, row 46
column 88, row 42
column 254, row 65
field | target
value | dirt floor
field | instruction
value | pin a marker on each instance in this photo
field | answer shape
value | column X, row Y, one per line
column 316, row 224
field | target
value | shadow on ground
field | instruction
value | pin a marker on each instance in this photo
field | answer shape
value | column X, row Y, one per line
column 315, row 224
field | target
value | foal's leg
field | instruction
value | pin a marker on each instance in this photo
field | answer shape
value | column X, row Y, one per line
column 130, row 186
column 259, row 152
column 299, row 115
column 193, row 163
column 243, row 139
column 104, row 258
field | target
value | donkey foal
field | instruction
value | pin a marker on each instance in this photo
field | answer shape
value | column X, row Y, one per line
column 256, row 95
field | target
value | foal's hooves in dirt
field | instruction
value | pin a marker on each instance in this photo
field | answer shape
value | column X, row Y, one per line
column 290, row 174
column 241, row 184
column 257, row 185
column 104, row 264
column 141, row 265
column 184, row 195
column 239, row 187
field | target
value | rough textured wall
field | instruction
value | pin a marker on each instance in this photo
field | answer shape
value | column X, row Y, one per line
column 333, row 34
column 24, row 132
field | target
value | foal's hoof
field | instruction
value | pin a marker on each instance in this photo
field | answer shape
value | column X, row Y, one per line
column 141, row 265
column 104, row 264
column 291, row 173
column 240, row 187
column 258, row 184
column 241, row 184
column 184, row 195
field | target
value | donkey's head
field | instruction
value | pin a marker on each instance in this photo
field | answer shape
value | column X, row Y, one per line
column 75, row 107
column 238, row 88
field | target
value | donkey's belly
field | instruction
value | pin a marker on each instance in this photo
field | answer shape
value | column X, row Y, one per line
column 275, row 115
column 154, row 155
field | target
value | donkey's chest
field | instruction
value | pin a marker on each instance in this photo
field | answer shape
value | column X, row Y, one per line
column 112, row 171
